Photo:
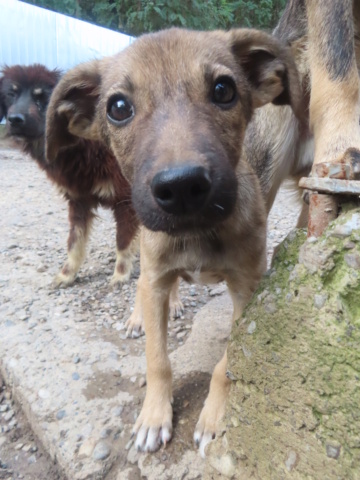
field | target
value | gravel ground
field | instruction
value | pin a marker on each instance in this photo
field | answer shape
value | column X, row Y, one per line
column 32, row 251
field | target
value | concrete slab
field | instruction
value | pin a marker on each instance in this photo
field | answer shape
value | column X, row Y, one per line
column 64, row 352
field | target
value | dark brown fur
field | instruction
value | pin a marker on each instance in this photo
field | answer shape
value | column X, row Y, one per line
column 86, row 172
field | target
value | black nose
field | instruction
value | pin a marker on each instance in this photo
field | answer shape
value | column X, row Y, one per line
column 181, row 190
column 17, row 119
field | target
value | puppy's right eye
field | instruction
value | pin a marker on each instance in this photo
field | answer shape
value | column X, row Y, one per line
column 119, row 110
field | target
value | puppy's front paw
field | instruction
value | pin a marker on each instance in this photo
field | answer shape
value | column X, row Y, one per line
column 153, row 426
column 134, row 325
column 209, row 420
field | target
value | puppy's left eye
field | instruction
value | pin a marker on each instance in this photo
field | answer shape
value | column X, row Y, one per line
column 119, row 110
column 224, row 92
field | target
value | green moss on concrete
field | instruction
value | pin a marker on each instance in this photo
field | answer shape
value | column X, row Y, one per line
column 294, row 409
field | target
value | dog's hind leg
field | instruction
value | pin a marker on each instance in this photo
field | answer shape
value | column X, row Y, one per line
column 135, row 323
column 334, row 101
column 80, row 219
column 126, row 241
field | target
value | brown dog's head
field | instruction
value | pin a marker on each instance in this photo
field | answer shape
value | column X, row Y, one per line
column 174, row 107
column 24, row 96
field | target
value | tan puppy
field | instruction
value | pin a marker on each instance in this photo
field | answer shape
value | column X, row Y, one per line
column 174, row 107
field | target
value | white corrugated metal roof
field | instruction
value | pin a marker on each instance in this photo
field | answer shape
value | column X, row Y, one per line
column 31, row 34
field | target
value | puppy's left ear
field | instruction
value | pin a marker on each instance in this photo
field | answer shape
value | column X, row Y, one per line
column 269, row 68
column 71, row 113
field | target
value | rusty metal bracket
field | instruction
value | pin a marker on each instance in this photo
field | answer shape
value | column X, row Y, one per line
column 328, row 181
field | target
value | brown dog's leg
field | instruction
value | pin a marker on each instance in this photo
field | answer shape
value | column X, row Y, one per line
column 126, row 244
column 154, row 424
column 334, row 102
column 80, row 219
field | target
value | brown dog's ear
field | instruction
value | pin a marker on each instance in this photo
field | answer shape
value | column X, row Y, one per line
column 2, row 102
column 269, row 68
column 71, row 111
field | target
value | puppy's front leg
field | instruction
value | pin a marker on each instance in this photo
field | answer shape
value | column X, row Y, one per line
column 154, row 424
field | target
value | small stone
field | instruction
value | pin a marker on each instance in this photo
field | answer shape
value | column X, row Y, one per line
column 87, row 447
column 270, row 308
column 3, row 440
column 180, row 334
column 32, row 459
column 9, row 415
column 251, row 328
column 23, row 315
column 142, row 382
column 218, row 290
column 105, row 433
column 319, row 300
column 75, row 376
column 76, row 359
column 289, row 297
column 235, row 422
column 246, row 352
column 60, row 414
column 291, row 461
column 4, row 408
column 44, row 394
column 225, row 465
column 19, row 446
column 41, row 268
column 333, row 451
column 133, row 379
column 353, row 260
column 101, row 451
column 26, row 448
column 117, row 411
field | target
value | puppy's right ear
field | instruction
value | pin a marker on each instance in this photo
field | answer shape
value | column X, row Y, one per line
column 72, row 107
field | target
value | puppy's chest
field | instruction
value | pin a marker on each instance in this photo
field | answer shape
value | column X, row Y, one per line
column 205, row 261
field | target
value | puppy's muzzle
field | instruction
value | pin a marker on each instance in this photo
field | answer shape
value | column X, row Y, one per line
column 182, row 190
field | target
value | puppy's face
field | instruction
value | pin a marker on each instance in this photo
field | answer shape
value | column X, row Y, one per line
column 173, row 107
column 25, row 93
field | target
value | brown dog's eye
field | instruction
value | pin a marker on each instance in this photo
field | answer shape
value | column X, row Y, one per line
column 119, row 110
column 224, row 92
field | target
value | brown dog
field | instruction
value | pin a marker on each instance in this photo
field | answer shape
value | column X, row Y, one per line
column 324, row 40
column 85, row 172
column 174, row 108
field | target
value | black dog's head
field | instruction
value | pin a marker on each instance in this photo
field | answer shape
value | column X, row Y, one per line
column 24, row 95
column 173, row 107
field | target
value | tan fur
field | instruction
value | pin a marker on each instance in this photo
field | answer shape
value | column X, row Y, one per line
column 169, row 79
column 334, row 103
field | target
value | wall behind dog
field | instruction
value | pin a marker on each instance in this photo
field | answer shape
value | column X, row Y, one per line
column 31, row 34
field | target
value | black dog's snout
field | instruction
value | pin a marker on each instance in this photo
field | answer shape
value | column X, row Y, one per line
column 181, row 190
column 17, row 119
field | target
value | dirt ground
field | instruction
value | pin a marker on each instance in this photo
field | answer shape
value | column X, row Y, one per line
column 32, row 207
